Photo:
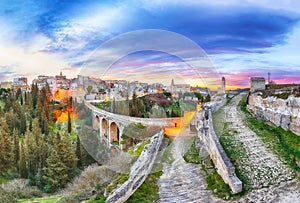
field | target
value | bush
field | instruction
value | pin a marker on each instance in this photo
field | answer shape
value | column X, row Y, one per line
column 92, row 181
column 6, row 197
column 18, row 188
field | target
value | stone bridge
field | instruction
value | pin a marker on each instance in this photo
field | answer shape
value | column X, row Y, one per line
column 112, row 125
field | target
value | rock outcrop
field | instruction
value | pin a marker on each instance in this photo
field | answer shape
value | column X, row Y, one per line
column 281, row 112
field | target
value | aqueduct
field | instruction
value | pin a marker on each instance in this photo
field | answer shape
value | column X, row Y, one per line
column 111, row 126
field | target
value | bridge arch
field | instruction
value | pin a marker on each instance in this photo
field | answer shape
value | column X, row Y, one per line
column 104, row 127
column 114, row 132
column 97, row 122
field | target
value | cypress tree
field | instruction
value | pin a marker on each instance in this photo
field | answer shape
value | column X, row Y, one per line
column 18, row 93
column 16, row 146
column 22, row 165
column 34, row 95
column 6, row 147
column 69, row 123
column 22, row 124
column 78, row 152
column 207, row 98
column 46, row 128
column 21, row 99
column 41, row 146
column 61, row 164
column 31, row 153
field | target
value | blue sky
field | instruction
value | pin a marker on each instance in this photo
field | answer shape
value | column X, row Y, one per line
column 242, row 38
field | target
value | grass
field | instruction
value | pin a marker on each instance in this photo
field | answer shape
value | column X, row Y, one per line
column 97, row 199
column 167, row 156
column 148, row 192
column 192, row 154
column 140, row 126
column 137, row 150
column 115, row 143
column 103, row 105
column 122, row 178
column 284, row 143
column 217, row 185
column 51, row 199
column 283, row 95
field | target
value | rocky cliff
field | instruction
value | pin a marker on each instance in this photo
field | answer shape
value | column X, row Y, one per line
column 281, row 112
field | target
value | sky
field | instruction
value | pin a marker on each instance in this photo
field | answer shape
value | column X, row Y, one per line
column 241, row 38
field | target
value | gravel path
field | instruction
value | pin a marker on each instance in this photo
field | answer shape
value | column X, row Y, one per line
column 183, row 182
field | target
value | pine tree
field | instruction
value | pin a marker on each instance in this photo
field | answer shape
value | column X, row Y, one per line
column 6, row 147
column 22, row 165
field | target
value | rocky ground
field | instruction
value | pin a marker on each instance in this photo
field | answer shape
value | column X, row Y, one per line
column 183, row 182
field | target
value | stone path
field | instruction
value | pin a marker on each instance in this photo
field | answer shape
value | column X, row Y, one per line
column 270, row 178
column 183, row 182
column 260, row 164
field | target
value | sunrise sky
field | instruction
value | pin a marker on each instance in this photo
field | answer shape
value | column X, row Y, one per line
column 242, row 38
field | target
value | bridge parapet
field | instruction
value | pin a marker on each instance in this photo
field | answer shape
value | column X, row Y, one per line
column 162, row 122
column 219, row 157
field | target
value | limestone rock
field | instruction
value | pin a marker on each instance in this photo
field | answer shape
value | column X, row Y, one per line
column 281, row 112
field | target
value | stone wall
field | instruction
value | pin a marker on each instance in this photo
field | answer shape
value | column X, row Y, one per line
column 212, row 145
column 281, row 112
column 139, row 171
column 257, row 83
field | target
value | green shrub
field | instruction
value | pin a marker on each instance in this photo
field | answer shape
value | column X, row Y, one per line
column 137, row 150
column 192, row 154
